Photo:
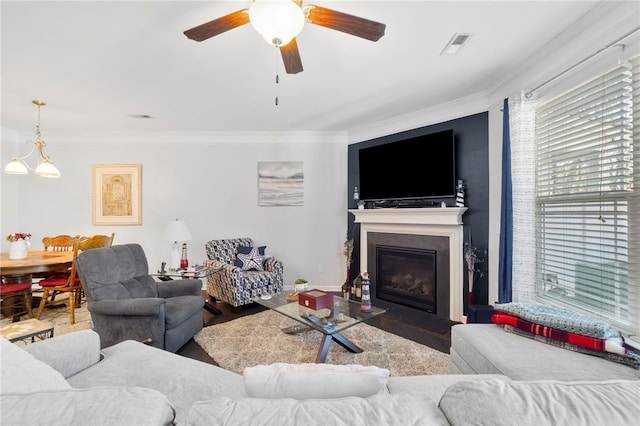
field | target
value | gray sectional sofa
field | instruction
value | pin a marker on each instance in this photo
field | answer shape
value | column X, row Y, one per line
column 488, row 349
column 69, row 380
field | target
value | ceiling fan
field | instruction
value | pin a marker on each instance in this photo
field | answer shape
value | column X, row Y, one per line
column 280, row 21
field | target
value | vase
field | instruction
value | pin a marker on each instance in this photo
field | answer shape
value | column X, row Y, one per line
column 18, row 249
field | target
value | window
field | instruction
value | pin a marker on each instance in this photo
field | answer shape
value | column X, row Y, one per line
column 587, row 196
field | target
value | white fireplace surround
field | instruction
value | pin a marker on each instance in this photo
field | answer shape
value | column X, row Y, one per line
column 441, row 222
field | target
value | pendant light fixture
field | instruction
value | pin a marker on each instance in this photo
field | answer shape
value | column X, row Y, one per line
column 18, row 166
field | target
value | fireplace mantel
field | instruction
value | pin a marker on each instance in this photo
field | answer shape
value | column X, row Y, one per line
column 422, row 216
column 444, row 221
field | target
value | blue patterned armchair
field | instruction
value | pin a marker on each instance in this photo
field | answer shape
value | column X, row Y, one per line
column 238, row 280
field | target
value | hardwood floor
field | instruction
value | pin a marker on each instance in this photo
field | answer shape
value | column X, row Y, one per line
column 420, row 327
column 192, row 350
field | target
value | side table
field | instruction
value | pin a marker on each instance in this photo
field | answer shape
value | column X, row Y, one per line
column 23, row 330
column 184, row 274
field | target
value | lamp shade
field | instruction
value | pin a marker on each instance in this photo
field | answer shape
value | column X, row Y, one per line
column 16, row 167
column 47, row 169
column 277, row 21
column 177, row 231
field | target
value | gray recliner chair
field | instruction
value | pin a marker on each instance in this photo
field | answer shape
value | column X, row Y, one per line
column 126, row 303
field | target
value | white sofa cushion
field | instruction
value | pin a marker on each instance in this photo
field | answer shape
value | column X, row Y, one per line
column 55, row 352
column 22, row 373
column 96, row 406
column 307, row 381
column 382, row 409
column 434, row 386
column 182, row 380
column 543, row 402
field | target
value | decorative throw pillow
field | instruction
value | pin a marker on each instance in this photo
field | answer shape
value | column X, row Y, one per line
column 250, row 258
column 313, row 381
column 22, row 373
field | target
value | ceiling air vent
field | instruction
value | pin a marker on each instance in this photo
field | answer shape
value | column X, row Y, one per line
column 454, row 45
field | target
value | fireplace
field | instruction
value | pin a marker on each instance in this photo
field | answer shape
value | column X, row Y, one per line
column 406, row 276
column 414, row 258
column 409, row 270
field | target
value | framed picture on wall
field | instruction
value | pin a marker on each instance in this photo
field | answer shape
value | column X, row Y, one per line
column 280, row 183
column 117, row 194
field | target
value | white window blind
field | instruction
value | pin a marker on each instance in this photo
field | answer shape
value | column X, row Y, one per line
column 586, row 196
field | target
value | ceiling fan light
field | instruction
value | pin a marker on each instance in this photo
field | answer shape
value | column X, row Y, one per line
column 277, row 21
column 47, row 169
column 16, row 167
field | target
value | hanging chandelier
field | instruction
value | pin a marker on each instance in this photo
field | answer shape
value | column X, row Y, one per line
column 18, row 166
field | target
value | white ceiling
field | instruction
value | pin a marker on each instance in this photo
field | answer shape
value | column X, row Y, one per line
column 97, row 63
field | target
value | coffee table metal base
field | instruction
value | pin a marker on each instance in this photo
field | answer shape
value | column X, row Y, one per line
column 341, row 340
column 326, row 341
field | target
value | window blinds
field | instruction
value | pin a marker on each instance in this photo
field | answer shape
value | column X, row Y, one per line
column 586, row 196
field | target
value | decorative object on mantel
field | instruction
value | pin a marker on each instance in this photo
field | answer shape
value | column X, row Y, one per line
column 18, row 166
column 19, row 245
column 356, row 198
column 460, row 193
column 472, row 259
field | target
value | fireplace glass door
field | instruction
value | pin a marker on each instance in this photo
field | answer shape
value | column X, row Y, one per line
column 406, row 276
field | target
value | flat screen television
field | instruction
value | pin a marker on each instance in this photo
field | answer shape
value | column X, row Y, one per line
column 421, row 167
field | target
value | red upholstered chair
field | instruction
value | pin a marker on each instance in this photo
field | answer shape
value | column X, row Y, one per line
column 58, row 243
column 71, row 284
column 15, row 298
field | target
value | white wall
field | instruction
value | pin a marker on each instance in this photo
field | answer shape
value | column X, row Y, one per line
column 209, row 180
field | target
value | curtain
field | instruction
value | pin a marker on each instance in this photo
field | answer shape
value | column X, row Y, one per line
column 523, row 175
column 506, row 214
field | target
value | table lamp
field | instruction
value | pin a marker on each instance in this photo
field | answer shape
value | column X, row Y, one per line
column 176, row 231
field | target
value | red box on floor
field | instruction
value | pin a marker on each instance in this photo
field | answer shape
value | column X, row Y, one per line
column 315, row 299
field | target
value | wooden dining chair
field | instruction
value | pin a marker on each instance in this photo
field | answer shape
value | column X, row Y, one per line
column 72, row 285
column 58, row 243
column 15, row 298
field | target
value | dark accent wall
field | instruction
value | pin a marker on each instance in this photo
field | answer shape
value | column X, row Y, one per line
column 472, row 163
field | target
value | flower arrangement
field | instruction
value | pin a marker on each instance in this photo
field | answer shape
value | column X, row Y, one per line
column 471, row 258
column 18, row 236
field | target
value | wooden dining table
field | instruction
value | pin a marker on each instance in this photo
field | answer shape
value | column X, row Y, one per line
column 21, row 270
column 36, row 262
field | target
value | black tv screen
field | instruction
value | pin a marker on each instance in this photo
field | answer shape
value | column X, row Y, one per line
column 416, row 168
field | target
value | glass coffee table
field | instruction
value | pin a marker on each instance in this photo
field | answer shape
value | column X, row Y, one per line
column 330, row 322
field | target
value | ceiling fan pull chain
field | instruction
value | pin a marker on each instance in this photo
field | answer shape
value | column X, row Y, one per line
column 277, row 75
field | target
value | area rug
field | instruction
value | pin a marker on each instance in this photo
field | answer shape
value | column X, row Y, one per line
column 59, row 318
column 258, row 340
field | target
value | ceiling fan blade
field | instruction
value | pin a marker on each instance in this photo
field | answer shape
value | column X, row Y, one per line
column 359, row 27
column 218, row 26
column 291, row 57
